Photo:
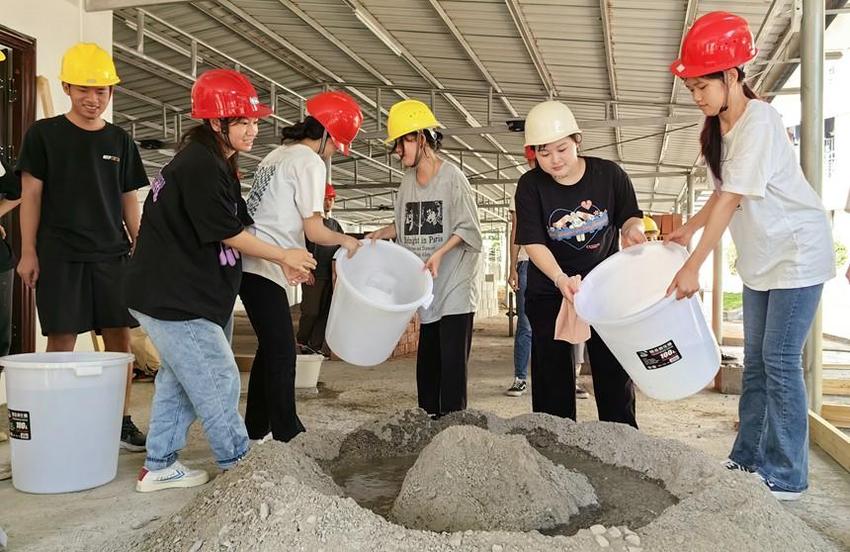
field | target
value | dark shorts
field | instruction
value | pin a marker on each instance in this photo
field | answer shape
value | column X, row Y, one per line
column 77, row 297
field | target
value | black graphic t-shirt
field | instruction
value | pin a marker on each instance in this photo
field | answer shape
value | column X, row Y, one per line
column 579, row 224
column 85, row 175
column 181, row 270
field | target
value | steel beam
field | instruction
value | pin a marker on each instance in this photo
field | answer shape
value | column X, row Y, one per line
column 530, row 44
column 605, row 11
column 811, row 160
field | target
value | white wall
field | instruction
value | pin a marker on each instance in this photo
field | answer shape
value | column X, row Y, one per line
column 56, row 25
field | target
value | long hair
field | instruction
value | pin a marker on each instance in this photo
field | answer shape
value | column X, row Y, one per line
column 710, row 138
column 205, row 135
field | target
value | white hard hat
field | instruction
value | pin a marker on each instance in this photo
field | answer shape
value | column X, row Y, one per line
column 549, row 122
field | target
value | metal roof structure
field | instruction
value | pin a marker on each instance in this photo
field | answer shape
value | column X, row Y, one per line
column 478, row 63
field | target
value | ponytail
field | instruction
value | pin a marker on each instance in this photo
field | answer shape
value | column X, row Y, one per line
column 205, row 135
column 308, row 128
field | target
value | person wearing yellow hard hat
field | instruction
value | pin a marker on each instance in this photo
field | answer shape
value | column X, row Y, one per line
column 650, row 228
column 10, row 198
column 80, row 214
column 784, row 241
column 573, row 212
column 436, row 218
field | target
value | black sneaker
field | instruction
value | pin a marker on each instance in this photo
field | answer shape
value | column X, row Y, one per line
column 731, row 465
column 131, row 438
column 517, row 389
column 581, row 393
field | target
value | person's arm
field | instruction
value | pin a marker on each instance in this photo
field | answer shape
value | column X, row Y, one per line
column 686, row 281
column 296, row 263
column 387, row 232
column 632, row 232
column 132, row 213
column 513, row 278
column 683, row 234
column 543, row 259
column 433, row 262
column 318, row 233
column 31, row 190
column 7, row 205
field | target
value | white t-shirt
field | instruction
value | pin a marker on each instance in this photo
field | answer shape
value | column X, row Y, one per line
column 289, row 186
column 523, row 254
column 781, row 230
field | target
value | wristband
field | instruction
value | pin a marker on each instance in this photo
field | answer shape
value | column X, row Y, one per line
column 558, row 278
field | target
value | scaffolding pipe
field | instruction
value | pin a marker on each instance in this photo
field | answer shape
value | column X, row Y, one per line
column 811, row 159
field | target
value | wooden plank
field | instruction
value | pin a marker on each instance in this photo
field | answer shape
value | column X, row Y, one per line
column 832, row 440
column 836, row 414
column 832, row 386
column 244, row 362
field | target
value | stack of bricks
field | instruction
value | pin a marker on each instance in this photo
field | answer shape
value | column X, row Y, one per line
column 667, row 223
column 409, row 342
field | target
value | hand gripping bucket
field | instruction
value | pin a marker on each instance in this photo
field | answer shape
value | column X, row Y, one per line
column 65, row 419
column 377, row 293
column 664, row 345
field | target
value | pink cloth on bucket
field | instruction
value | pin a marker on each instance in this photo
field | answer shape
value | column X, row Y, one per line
column 569, row 327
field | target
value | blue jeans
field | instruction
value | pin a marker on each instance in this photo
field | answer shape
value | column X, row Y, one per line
column 773, row 437
column 198, row 378
column 522, row 338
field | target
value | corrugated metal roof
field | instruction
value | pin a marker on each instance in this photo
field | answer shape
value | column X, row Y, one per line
column 320, row 43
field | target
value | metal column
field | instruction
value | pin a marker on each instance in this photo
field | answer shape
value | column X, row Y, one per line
column 811, row 159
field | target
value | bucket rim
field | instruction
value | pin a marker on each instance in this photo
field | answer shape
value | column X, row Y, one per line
column 342, row 259
column 29, row 362
column 646, row 311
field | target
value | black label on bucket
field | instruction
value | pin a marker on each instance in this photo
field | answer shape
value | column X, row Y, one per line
column 19, row 425
column 661, row 356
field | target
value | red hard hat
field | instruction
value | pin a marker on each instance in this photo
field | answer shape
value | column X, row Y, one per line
column 224, row 93
column 717, row 41
column 329, row 191
column 339, row 114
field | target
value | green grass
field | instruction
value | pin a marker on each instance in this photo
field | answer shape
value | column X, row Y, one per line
column 732, row 301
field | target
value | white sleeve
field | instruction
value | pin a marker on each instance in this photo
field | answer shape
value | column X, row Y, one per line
column 749, row 163
column 310, row 175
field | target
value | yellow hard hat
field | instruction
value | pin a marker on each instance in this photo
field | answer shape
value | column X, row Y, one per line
column 408, row 116
column 549, row 122
column 87, row 64
column 649, row 224
column 2, row 56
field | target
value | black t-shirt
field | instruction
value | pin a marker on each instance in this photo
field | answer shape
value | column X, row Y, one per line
column 579, row 224
column 324, row 254
column 10, row 188
column 85, row 173
column 181, row 270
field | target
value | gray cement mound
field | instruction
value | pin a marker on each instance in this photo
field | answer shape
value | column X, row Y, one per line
column 470, row 478
column 281, row 499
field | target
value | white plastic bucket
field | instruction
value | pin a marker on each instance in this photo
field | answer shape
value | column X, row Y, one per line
column 65, row 419
column 665, row 345
column 307, row 368
column 377, row 293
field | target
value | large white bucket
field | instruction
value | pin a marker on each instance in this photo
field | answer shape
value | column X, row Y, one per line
column 665, row 345
column 377, row 293
column 65, row 419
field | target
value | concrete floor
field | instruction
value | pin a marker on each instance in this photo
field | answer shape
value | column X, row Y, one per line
column 351, row 395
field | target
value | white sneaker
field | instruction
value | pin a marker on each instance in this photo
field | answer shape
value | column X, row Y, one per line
column 174, row 476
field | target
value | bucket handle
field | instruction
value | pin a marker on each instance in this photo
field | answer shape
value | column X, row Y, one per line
column 85, row 371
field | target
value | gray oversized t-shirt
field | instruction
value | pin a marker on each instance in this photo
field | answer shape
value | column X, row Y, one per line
column 425, row 218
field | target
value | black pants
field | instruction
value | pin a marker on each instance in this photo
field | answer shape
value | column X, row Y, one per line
column 441, row 363
column 7, row 279
column 271, row 388
column 315, row 307
column 553, row 377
